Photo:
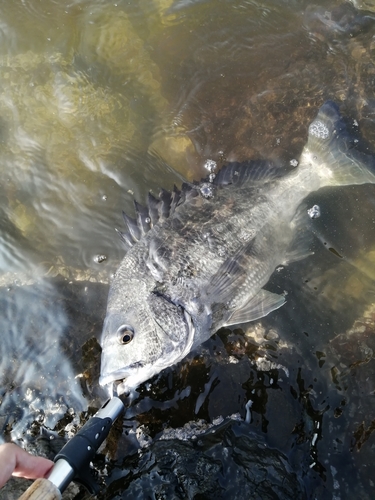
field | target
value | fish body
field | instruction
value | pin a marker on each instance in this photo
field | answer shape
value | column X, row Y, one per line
column 200, row 257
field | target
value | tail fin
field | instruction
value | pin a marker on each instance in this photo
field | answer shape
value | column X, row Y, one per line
column 331, row 151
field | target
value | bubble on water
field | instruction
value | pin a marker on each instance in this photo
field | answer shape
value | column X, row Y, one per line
column 29, row 394
column 355, row 123
column 246, row 234
column 207, row 190
column 294, row 163
column 147, row 220
column 100, row 258
column 221, row 251
column 319, row 129
column 314, row 212
column 211, row 177
column 104, row 197
column 210, row 165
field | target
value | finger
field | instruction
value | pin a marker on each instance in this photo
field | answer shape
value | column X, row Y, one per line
column 14, row 460
column 29, row 466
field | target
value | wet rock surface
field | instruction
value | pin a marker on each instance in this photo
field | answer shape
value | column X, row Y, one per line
column 228, row 461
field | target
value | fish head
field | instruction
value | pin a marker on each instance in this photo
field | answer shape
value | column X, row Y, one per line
column 142, row 337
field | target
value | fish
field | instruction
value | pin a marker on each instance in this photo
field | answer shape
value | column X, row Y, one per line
column 200, row 257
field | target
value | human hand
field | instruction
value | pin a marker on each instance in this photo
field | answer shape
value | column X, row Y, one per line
column 17, row 462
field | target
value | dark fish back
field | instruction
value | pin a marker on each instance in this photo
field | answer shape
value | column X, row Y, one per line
column 256, row 172
column 160, row 209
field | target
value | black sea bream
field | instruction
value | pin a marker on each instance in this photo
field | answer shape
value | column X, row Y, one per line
column 200, row 257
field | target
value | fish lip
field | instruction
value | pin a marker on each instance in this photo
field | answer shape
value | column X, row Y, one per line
column 119, row 388
column 118, row 375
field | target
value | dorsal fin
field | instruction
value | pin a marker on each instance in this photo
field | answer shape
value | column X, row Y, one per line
column 254, row 171
column 143, row 218
column 160, row 209
column 153, row 208
column 165, row 198
column 133, row 229
column 157, row 210
column 125, row 238
column 176, row 196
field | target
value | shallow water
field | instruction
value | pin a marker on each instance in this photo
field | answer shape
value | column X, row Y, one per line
column 100, row 102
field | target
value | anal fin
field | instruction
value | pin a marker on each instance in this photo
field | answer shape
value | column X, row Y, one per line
column 262, row 304
column 300, row 246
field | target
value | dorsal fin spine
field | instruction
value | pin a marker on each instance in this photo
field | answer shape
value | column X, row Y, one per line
column 164, row 204
column 134, row 230
column 143, row 217
column 125, row 238
column 153, row 209
column 160, row 209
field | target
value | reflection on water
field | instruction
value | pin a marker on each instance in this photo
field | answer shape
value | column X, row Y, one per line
column 100, row 102
column 37, row 382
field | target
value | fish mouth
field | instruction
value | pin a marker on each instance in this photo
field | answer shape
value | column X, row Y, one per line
column 119, row 388
column 120, row 375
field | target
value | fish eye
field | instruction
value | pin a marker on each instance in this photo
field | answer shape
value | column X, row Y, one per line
column 125, row 334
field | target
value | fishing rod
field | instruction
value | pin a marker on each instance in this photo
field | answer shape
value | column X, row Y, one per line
column 73, row 461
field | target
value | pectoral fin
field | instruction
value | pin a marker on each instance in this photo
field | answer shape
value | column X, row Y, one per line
column 262, row 304
column 231, row 274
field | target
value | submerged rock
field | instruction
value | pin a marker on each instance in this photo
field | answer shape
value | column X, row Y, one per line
column 228, row 461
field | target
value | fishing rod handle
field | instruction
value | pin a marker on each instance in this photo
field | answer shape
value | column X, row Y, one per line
column 41, row 489
column 72, row 462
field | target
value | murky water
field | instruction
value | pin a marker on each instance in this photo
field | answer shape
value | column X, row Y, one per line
column 102, row 101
